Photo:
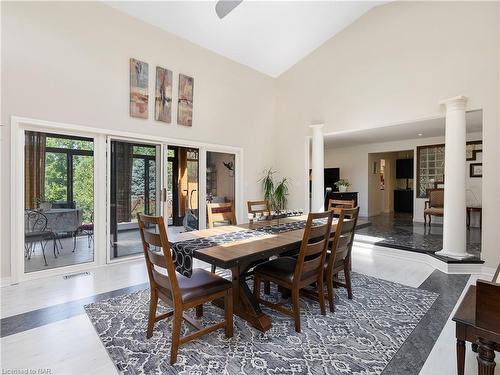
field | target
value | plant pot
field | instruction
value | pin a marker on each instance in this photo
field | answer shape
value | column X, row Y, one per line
column 342, row 189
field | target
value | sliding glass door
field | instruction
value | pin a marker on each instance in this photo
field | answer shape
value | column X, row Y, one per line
column 59, row 201
column 134, row 187
column 220, row 177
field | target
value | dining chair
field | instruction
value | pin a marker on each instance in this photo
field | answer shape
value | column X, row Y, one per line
column 35, row 230
column 340, row 203
column 295, row 274
column 178, row 291
column 338, row 256
column 434, row 206
column 87, row 229
column 220, row 214
column 255, row 207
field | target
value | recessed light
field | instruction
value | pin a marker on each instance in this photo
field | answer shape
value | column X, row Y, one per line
column 420, row 134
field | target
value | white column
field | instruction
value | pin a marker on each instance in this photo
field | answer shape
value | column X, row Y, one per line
column 317, row 168
column 454, row 220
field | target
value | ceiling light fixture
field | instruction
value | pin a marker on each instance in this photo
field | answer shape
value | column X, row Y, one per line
column 420, row 134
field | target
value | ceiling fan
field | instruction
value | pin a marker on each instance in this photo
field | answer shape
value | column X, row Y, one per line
column 223, row 7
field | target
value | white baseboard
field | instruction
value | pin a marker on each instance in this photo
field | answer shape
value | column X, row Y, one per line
column 5, row 281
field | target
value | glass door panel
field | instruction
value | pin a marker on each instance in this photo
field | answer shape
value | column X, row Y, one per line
column 220, row 186
column 182, row 188
column 134, row 185
column 59, row 201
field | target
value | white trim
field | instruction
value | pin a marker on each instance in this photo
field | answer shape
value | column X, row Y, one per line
column 307, row 201
column 449, row 268
column 5, row 281
column 101, row 195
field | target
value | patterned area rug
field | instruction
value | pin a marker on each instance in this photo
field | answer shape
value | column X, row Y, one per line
column 361, row 336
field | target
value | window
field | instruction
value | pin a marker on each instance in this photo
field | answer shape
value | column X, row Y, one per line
column 430, row 165
column 430, row 168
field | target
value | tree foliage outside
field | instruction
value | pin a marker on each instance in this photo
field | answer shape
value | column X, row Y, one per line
column 56, row 174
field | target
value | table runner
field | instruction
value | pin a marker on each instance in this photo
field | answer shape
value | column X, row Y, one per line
column 182, row 252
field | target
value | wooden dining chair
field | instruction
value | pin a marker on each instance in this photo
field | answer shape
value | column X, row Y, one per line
column 258, row 207
column 177, row 291
column 338, row 257
column 340, row 203
column 295, row 274
column 220, row 214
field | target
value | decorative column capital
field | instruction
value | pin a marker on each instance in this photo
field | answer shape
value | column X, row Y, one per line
column 457, row 103
column 316, row 127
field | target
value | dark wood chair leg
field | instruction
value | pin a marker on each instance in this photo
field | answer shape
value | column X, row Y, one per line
column 176, row 335
column 153, row 303
column 348, row 284
column 486, row 357
column 296, row 309
column 228, row 312
column 256, row 286
column 460, row 357
column 321, row 296
column 213, row 268
column 331, row 293
column 267, row 287
column 199, row 311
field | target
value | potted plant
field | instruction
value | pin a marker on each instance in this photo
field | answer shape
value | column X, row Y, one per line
column 275, row 192
column 342, row 185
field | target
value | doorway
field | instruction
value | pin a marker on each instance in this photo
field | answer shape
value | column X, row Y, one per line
column 182, row 191
column 134, row 187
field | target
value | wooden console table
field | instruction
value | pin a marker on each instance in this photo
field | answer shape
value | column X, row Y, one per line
column 478, row 321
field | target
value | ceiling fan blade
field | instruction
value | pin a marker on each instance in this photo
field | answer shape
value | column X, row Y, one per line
column 223, row 7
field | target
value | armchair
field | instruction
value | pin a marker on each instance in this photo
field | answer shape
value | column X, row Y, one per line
column 435, row 205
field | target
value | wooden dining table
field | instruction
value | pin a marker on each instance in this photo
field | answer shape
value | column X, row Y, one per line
column 240, row 256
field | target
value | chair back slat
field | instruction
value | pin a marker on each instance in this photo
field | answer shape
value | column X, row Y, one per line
column 313, row 246
column 341, row 246
column 258, row 206
column 152, row 238
column 159, row 259
column 340, row 203
column 220, row 212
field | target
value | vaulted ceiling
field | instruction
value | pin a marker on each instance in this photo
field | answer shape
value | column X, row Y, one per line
column 268, row 36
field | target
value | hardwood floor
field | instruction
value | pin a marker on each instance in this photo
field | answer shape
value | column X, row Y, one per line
column 68, row 345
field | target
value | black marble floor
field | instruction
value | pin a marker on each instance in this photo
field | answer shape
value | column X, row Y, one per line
column 400, row 232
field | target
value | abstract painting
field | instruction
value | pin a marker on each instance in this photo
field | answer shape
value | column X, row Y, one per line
column 139, row 88
column 163, row 96
column 185, row 105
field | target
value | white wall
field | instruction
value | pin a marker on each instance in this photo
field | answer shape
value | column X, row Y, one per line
column 355, row 164
column 69, row 62
column 394, row 65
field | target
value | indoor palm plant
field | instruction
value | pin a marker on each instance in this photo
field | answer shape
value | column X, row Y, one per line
column 275, row 193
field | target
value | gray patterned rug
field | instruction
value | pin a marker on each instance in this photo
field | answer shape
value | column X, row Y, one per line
column 361, row 336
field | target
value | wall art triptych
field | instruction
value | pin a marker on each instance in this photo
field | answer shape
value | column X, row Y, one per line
column 139, row 94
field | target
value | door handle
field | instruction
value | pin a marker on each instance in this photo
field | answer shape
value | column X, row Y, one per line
column 164, row 195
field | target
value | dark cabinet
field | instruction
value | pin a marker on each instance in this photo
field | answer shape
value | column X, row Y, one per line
column 403, row 201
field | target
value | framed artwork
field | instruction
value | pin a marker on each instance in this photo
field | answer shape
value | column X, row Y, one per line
column 185, row 104
column 476, row 170
column 139, row 96
column 472, row 148
column 163, row 95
